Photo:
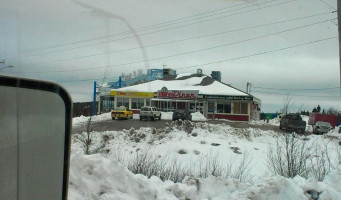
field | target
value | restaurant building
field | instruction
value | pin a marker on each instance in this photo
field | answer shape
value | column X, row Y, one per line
column 195, row 92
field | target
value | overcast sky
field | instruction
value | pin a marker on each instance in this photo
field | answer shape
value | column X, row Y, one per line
column 273, row 44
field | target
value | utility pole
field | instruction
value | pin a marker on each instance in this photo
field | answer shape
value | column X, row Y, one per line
column 94, row 100
column 248, row 87
column 339, row 28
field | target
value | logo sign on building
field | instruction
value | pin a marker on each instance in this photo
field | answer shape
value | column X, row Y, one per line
column 234, row 98
column 132, row 94
column 35, row 139
column 177, row 94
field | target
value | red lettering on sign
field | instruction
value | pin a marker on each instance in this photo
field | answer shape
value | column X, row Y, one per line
column 177, row 94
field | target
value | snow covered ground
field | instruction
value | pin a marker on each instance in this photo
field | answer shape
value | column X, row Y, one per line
column 194, row 146
column 82, row 119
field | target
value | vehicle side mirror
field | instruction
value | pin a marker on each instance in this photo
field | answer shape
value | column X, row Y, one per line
column 35, row 139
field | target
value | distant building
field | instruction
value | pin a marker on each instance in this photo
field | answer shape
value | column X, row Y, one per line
column 195, row 92
column 154, row 74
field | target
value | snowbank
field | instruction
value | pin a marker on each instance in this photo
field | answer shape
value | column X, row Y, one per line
column 274, row 122
column 334, row 133
column 101, row 176
column 82, row 119
column 197, row 116
column 96, row 177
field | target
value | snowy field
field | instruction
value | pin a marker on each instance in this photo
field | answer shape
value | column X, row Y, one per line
column 221, row 162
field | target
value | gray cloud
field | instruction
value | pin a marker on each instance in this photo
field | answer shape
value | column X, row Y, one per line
column 30, row 26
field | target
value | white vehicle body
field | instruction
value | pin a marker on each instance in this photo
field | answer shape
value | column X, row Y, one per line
column 149, row 112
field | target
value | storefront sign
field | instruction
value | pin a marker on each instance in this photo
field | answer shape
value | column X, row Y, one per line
column 132, row 94
column 235, row 98
column 177, row 94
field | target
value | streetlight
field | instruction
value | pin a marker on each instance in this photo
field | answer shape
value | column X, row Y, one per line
column 10, row 66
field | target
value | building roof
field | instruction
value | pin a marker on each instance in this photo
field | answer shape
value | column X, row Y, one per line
column 205, row 84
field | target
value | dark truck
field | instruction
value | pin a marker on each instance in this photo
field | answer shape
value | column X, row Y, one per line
column 292, row 121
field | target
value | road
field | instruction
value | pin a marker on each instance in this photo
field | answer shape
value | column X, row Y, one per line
column 117, row 125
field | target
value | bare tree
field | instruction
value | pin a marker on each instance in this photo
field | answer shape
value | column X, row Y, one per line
column 338, row 154
column 289, row 157
column 288, row 105
column 332, row 111
column 320, row 162
column 89, row 147
column 300, row 108
column 139, row 72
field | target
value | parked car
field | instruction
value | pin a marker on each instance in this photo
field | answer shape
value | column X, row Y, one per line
column 316, row 117
column 321, row 127
column 292, row 121
column 121, row 112
column 182, row 114
column 149, row 112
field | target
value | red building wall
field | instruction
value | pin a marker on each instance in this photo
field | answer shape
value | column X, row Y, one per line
column 229, row 117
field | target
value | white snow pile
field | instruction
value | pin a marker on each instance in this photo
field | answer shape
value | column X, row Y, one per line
column 274, row 122
column 197, row 116
column 334, row 133
column 190, row 148
column 82, row 119
column 97, row 177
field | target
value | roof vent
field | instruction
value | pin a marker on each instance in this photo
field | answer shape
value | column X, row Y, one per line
column 199, row 72
column 216, row 75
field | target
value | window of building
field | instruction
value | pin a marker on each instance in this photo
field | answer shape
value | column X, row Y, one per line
column 192, row 106
column 240, row 108
column 122, row 101
column 210, row 106
column 137, row 103
column 107, row 103
column 224, row 108
column 147, row 102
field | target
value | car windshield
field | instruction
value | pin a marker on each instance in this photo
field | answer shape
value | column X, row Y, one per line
column 176, row 99
column 295, row 117
column 120, row 109
column 327, row 124
column 145, row 109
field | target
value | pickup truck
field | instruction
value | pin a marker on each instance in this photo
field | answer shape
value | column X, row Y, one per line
column 149, row 112
column 292, row 121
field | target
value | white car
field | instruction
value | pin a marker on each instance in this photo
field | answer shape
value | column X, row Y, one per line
column 321, row 127
column 149, row 112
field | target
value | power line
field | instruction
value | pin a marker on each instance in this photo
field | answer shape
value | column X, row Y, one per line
column 148, row 33
column 128, row 32
column 328, row 4
column 296, row 95
column 181, row 40
column 267, row 88
column 91, row 79
column 252, row 55
column 190, row 52
column 261, row 53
